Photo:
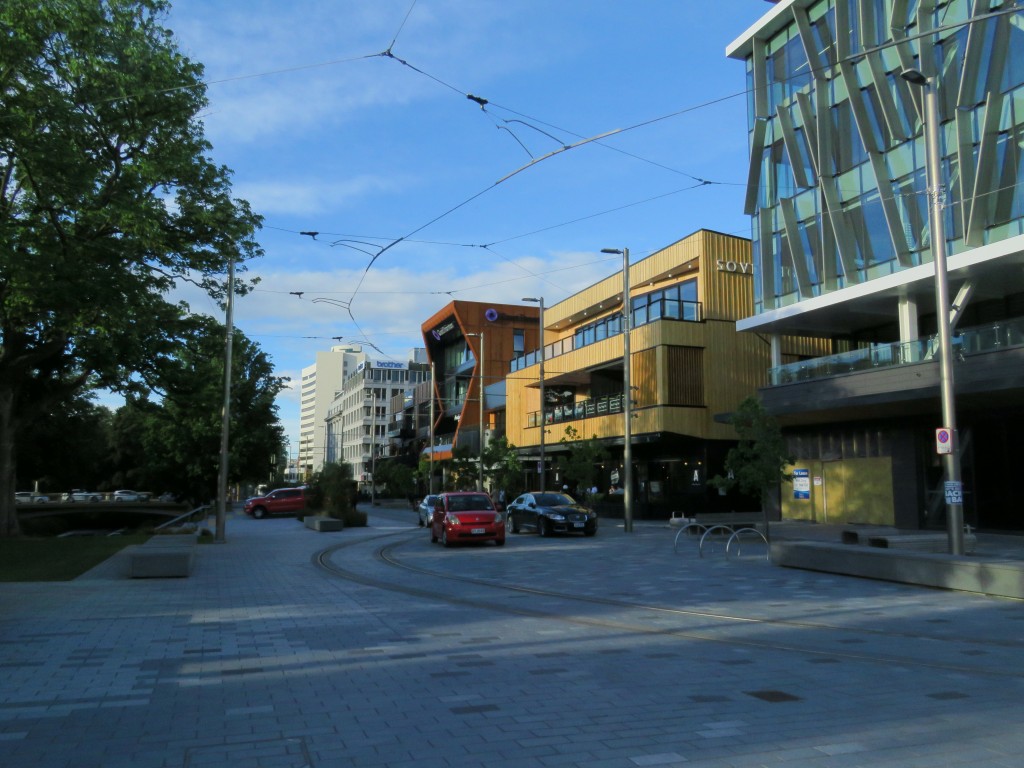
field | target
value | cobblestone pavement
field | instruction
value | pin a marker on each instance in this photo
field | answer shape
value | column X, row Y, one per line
column 610, row 652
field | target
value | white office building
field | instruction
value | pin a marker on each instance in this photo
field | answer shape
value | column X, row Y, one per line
column 321, row 382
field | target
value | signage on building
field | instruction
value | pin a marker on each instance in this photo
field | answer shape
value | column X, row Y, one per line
column 954, row 492
column 388, row 364
column 801, row 484
column 441, row 330
column 728, row 265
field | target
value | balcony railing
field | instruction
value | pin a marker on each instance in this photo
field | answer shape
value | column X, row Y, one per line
column 970, row 341
column 584, row 409
column 685, row 311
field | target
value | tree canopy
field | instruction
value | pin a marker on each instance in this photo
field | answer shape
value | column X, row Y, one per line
column 108, row 201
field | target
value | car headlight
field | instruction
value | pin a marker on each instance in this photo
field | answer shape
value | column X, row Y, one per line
column 556, row 517
column 451, row 519
column 497, row 518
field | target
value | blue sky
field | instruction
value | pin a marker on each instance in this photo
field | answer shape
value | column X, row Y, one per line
column 324, row 135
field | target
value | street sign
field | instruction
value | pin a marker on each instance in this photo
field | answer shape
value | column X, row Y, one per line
column 943, row 440
column 954, row 492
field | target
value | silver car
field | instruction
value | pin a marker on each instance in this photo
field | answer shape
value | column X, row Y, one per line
column 426, row 510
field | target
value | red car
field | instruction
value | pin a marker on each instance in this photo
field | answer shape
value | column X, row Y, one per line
column 466, row 517
column 283, row 501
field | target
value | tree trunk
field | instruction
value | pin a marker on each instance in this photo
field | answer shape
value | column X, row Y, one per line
column 8, row 510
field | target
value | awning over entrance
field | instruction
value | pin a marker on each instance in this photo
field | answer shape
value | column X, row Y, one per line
column 441, row 452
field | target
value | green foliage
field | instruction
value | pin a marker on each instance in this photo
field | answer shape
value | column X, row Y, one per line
column 758, row 462
column 580, row 466
column 502, row 467
column 463, row 470
column 397, row 479
column 174, row 444
column 108, row 201
column 339, row 494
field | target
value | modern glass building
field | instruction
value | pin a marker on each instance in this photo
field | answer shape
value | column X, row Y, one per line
column 842, row 247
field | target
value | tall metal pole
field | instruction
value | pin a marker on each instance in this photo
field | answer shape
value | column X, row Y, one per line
column 627, row 387
column 430, row 482
column 480, row 477
column 225, row 421
column 543, row 421
column 936, row 193
column 373, row 448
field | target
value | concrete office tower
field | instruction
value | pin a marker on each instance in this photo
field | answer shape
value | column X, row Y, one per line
column 320, row 384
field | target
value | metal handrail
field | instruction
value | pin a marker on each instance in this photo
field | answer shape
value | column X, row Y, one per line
column 205, row 508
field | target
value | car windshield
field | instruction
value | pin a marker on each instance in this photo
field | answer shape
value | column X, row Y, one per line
column 471, row 502
column 553, row 499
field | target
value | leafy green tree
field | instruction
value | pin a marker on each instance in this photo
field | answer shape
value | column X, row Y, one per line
column 108, row 201
column 502, row 467
column 464, row 468
column 70, row 448
column 339, row 494
column 757, row 464
column 580, row 465
column 174, row 444
column 397, row 479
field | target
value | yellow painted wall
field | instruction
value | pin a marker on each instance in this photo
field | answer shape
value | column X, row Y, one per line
column 850, row 491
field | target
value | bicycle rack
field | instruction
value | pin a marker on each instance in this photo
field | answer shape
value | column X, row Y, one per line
column 736, row 537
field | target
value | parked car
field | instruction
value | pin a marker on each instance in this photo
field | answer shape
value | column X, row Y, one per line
column 548, row 513
column 78, row 494
column 426, row 509
column 283, row 501
column 130, row 496
column 459, row 517
column 27, row 497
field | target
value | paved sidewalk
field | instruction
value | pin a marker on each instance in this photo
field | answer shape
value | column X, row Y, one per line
column 260, row 658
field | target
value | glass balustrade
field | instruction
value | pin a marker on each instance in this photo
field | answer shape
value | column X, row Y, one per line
column 966, row 342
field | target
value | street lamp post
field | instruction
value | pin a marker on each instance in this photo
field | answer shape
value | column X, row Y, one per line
column 222, row 474
column 627, row 393
column 373, row 449
column 951, row 460
column 480, row 371
column 543, row 422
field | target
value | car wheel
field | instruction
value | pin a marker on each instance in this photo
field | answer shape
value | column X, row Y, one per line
column 94, row 499
column 444, row 537
column 590, row 532
column 421, row 522
column 542, row 527
column 258, row 512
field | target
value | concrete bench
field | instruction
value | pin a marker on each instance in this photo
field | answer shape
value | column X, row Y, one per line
column 921, row 542
column 861, row 534
column 162, row 557
column 324, row 524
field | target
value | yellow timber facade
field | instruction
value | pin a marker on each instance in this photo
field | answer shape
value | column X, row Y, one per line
column 688, row 364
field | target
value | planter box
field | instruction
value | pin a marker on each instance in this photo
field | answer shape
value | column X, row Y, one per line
column 324, row 524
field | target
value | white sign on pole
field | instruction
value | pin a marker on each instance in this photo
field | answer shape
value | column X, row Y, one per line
column 943, row 440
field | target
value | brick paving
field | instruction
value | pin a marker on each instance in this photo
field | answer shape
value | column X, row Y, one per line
column 262, row 658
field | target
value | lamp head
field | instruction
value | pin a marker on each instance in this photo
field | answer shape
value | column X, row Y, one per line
column 914, row 77
column 612, row 250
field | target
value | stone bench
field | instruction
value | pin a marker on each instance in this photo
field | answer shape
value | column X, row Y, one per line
column 162, row 557
column 862, row 534
column 324, row 524
column 921, row 542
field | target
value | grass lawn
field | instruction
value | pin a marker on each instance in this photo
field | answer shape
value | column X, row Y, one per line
column 53, row 559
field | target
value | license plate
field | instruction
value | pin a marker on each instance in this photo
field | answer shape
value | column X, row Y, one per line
column 478, row 531
column 577, row 525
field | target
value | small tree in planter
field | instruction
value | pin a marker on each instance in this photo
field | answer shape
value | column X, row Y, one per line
column 339, row 491
column 758, row 463
column 580, row 465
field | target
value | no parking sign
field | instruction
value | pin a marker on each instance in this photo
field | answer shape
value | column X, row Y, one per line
column 943, row 440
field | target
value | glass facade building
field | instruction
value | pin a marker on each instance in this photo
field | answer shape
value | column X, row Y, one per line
column 840, row 202
column 836, row 188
